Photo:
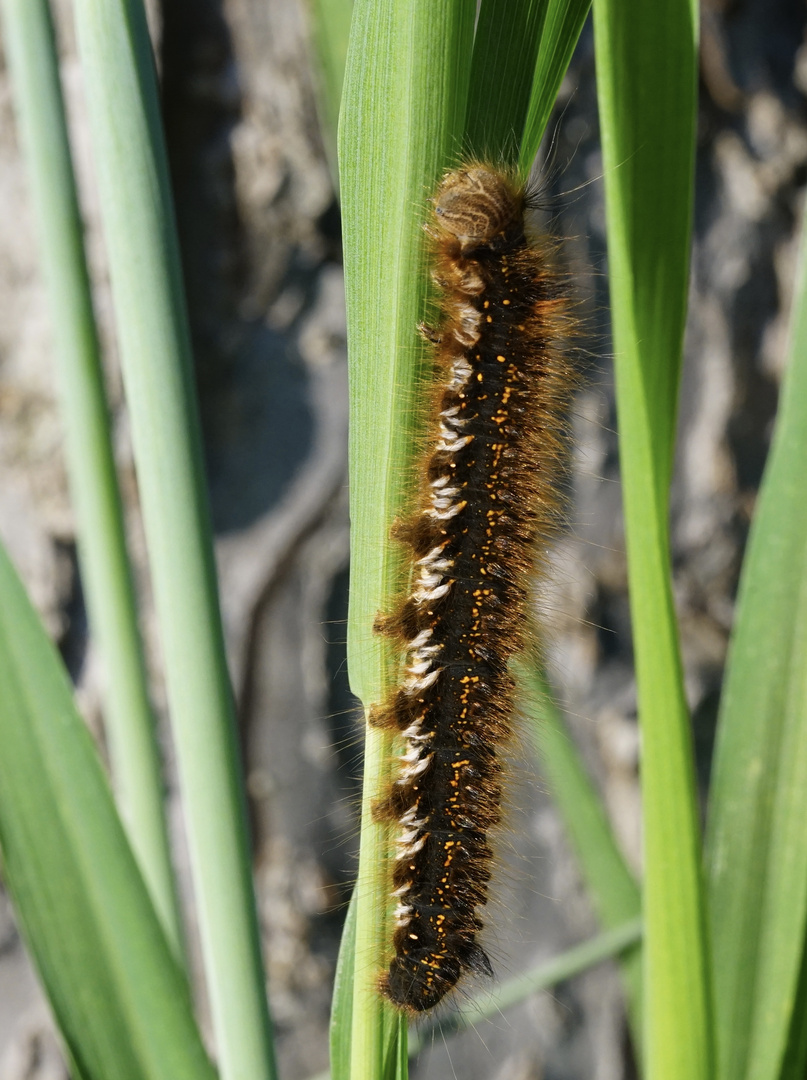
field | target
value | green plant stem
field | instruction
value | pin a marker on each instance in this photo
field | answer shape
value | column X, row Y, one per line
column 136, row 766
column 155, row 350
column 646, row 78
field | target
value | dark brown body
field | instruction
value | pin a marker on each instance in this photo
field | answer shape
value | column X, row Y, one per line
column 487, row 507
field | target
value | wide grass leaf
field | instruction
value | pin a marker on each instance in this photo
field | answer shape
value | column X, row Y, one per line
column 121, row 1002
column 756, row 841
column 403, row 107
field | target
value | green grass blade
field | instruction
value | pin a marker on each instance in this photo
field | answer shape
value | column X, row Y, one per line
column 646, row 77
column 402, row 112
column 794, row 1066
column 121, row 1002
column 508, row 34
column 330, row 31
column 562, row 26
column 756, row 850
column 521, row 52
column 141, row 240
column 31, row 52
column 342, row 1009
column 610, row 884
column 573, row 962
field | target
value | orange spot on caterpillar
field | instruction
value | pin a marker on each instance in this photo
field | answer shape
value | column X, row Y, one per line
column 487, row 505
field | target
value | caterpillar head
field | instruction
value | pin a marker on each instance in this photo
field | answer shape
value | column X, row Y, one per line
column 477, row 205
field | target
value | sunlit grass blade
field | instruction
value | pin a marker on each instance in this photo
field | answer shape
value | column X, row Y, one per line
column 570, row 963
column 521, row 52
column 31, row 53
column 120, row 999
column 330, row 32
column 402, row 112
column 508, row 34
column 561, row 29
column 756, row 849
column 794, row 1065
column 646, row 78
column 610, row 885
column 139, row 227
column 342, row 1007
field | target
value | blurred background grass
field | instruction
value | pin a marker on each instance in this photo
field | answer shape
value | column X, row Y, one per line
column 260, row 233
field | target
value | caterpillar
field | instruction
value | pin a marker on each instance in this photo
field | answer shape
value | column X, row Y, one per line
column 487, row 504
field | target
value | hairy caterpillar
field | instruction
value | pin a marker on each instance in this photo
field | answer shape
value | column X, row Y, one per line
column 487, row 505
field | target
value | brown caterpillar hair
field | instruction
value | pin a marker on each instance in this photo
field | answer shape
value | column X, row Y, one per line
column 487, row 505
